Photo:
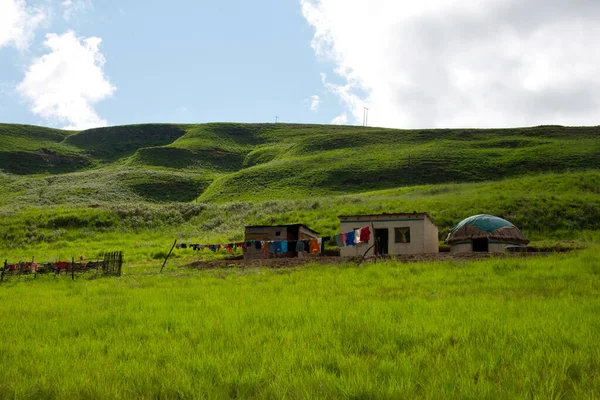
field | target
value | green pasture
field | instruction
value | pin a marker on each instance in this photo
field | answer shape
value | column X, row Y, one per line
column 502, row 328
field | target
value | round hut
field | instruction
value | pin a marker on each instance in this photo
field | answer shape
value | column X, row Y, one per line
column 485, row 233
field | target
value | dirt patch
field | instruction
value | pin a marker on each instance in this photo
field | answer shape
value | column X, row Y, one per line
column 296, row 262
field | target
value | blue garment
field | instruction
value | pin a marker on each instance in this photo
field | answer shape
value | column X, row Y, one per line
column 277, row 247
column 284, row 247
column 350, row 239
column 271, row 247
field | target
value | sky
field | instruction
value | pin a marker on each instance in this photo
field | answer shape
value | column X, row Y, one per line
column 78, row 64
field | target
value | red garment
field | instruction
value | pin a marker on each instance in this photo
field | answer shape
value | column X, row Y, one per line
column 62, row 265
column 344, row 236
column 365, row 234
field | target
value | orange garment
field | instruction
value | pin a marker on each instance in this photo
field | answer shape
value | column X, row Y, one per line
column 314, row 246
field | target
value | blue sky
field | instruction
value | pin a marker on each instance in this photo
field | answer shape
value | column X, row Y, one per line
column 434, row 63
column 185, row 61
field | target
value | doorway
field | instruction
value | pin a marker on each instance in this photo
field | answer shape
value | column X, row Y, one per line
column 382, row 239
column 480, row 245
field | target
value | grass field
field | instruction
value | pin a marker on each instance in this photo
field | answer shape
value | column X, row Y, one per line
column 501, row 328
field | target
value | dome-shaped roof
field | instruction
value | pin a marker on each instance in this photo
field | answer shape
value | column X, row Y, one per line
column 485, row 226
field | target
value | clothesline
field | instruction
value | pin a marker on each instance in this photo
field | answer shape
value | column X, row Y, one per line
column 315, row 245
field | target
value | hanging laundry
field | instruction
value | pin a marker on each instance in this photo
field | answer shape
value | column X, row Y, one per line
column 277, row 247
column 339, row 240
column 271, row 247
column 322, row 245
column 357, row 236
column 306, row 246
column 350, row 238
column 300, row 246
column 258, row 245
column 365, row 234
column 284, row 246
column 315, row 247
column 265, row 249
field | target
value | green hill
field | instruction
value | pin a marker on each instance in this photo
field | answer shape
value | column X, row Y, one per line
column 230, row 162
column 119, row 187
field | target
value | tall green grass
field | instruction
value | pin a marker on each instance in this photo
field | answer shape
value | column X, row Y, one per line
column 501, row 328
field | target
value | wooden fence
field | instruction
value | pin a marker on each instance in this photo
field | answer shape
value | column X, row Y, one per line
column 112, row 264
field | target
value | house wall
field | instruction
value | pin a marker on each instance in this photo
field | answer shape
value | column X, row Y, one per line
column 263, row 233
column 270, row 233
column 423, row 234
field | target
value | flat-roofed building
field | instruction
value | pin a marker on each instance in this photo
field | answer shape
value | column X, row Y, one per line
column 290, row 233
column 402, row 233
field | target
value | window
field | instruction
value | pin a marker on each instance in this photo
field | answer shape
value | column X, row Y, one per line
column 278, row 233
column 402, row 235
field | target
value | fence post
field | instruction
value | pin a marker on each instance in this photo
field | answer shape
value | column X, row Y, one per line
column 73, row 268
column 4, row 269
column 174, row 243
column 120, row 261
column 35, row 271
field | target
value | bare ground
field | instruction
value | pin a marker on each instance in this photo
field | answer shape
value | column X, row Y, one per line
column 295, row 262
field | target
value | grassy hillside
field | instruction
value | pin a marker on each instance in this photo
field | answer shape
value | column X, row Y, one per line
column 546, row 180
column 267, row 161
column 26, row 149
column 548, row 208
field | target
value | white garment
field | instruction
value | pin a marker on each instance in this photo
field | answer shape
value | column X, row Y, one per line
column 357, row 236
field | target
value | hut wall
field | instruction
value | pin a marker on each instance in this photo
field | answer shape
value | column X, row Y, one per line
column 493, row 247
column 461, row 248
column 500, row 247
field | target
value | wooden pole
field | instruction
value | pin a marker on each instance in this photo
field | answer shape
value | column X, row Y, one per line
column 168, row 255
column 73, row 268
column 4, row 269
column 35, row 271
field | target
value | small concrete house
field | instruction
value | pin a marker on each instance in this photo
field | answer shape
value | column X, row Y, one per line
column 292, row 232
column 485, row 233
column 410, row 233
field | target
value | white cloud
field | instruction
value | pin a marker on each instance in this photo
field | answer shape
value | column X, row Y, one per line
column 72, row 8
column 315, row 102
column 340, row 119
column 448, row 63
column 18, row 23
column 63, row 85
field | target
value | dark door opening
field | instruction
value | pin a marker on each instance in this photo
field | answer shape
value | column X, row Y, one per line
column 480, row 245
column 382, row 237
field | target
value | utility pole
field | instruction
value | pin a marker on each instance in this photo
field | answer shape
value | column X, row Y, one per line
column 276, row 119
column 365, row 116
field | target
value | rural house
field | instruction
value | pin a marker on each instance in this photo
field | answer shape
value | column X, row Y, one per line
column 289, row 233
column 485, row 233
column 404, row 233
